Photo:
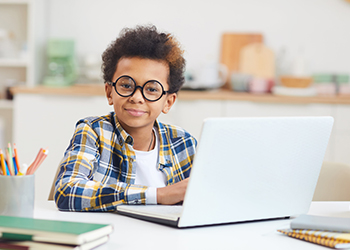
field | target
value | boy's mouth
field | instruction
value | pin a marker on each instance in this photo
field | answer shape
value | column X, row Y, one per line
column 135, row 112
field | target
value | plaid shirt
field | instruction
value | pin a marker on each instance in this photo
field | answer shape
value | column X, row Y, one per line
column 97, row 172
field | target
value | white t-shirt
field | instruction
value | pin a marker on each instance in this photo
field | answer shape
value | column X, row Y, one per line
column 147, row 173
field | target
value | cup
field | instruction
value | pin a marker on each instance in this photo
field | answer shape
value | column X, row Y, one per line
column 17, row 195
column 260, row 85
column 240, row 82
column 212, row 75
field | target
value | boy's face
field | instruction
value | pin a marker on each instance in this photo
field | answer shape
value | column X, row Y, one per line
column 135, row 112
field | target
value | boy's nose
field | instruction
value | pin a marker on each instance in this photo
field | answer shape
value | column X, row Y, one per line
column 137, row 96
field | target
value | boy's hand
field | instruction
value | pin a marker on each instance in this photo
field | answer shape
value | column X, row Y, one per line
column 172, row 194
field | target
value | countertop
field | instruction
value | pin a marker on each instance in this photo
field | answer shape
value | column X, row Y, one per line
column 187, row 95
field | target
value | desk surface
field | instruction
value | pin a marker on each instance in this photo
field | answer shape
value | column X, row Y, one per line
column 131, row 233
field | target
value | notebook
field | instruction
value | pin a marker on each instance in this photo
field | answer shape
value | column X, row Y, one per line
column 61, row 232
column 37, row 245
column 325, row 223
column 324, row 238
column 248, row 169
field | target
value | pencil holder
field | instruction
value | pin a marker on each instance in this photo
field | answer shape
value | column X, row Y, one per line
column 17, row 195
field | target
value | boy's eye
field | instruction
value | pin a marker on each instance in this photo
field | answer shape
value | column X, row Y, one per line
column 153, row 87
column 126, row 86
column 152, row 90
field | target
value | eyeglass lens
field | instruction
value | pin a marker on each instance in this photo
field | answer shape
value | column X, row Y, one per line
column 151, row 90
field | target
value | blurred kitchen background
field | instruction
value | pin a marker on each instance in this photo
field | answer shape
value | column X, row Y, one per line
column 244, row 58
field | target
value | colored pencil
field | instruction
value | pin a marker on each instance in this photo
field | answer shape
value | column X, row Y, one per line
column 10, row 160
column 37, row 161
column 7, row 169
column 14, row 165
column 9, row 163
column 3, row 166
column 31, row 166
column 16, row 157
column 42, row 157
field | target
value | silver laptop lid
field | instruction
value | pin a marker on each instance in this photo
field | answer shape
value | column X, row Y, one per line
column 255, row 168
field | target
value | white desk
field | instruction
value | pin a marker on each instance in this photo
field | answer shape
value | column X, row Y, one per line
column 131, row 233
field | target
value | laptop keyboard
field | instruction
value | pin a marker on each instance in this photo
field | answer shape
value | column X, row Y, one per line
column 174, row 210
column 170, row 210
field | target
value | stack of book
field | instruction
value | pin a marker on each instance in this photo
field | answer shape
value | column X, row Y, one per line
column 27, row 233
column 332, row 232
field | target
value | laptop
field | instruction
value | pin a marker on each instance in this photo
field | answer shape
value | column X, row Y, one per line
column 248, row 169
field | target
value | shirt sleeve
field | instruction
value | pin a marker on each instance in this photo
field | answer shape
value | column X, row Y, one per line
column 151, row 195
column 75, row 189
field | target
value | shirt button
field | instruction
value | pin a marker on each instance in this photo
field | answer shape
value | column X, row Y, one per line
column 120, row 141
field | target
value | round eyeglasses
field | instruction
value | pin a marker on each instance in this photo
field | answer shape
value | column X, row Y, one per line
column 126, row 86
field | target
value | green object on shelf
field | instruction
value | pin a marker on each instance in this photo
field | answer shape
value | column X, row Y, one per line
column 322, row 78
column 343, row 78
column 61, row 68
column 331, row 78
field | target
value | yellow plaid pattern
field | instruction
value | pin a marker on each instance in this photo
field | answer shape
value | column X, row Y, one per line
column 97, row 172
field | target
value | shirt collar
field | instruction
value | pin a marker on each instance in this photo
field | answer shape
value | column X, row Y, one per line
column 165, row 151
column 122, row 135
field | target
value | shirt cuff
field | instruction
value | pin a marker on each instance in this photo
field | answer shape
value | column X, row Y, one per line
column 151, row 196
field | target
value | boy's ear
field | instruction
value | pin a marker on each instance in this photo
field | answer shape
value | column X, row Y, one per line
column 171, row 98
column 108, row 90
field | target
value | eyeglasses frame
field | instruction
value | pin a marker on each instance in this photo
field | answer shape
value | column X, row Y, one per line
column 114, row 85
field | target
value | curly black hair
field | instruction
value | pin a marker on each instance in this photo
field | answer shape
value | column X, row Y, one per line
column 146, row 42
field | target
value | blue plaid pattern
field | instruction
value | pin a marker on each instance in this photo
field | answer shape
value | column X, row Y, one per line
column 97, row 173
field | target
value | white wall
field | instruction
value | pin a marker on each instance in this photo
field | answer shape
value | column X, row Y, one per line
column 319, row 27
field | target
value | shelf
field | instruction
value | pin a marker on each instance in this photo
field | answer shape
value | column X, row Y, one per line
column 220, row 94
column 13, row 62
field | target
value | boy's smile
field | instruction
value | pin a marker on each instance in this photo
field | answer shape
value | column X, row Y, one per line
column 135, row 112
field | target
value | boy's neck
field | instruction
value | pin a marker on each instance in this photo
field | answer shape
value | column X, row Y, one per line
column 144, row 138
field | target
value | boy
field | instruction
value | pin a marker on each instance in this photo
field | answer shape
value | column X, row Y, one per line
column 128, row 156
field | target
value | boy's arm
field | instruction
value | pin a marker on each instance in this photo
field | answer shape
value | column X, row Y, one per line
column 76, row 191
